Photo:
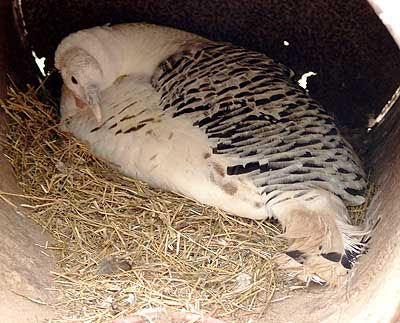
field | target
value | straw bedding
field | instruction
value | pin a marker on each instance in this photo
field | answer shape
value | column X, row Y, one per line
column 123, row 246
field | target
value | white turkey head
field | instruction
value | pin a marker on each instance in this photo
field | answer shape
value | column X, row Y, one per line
column 82, row 75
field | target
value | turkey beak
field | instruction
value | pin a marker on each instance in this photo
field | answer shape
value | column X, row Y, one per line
column 93, row 97
column 97, row 112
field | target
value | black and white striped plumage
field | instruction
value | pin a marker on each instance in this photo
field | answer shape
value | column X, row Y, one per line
column 231, row 128
column 252, row 110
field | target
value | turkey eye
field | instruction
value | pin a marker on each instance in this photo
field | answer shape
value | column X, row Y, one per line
column 73, row 79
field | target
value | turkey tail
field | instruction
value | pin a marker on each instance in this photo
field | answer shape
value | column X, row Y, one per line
column 323, row 244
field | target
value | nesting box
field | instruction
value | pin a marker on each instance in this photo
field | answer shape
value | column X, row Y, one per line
column 357, row 67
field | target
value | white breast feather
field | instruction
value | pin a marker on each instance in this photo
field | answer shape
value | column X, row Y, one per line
column 168, row 153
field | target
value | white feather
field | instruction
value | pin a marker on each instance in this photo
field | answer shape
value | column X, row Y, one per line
column 135, row 48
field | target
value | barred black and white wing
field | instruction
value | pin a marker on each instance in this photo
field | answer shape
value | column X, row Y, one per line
column 261, row 120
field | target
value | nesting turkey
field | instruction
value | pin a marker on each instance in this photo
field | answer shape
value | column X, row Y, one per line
column 221, row 124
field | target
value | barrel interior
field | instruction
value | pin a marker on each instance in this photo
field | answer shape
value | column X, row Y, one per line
column 357, row 69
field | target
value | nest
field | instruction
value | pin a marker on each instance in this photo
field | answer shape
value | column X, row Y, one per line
column 123, row 246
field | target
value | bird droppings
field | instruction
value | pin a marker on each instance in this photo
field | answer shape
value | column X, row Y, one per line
column 118, row 240
column 111, row 265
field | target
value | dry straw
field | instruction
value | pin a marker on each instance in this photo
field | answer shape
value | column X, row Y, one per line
column 123, row 246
